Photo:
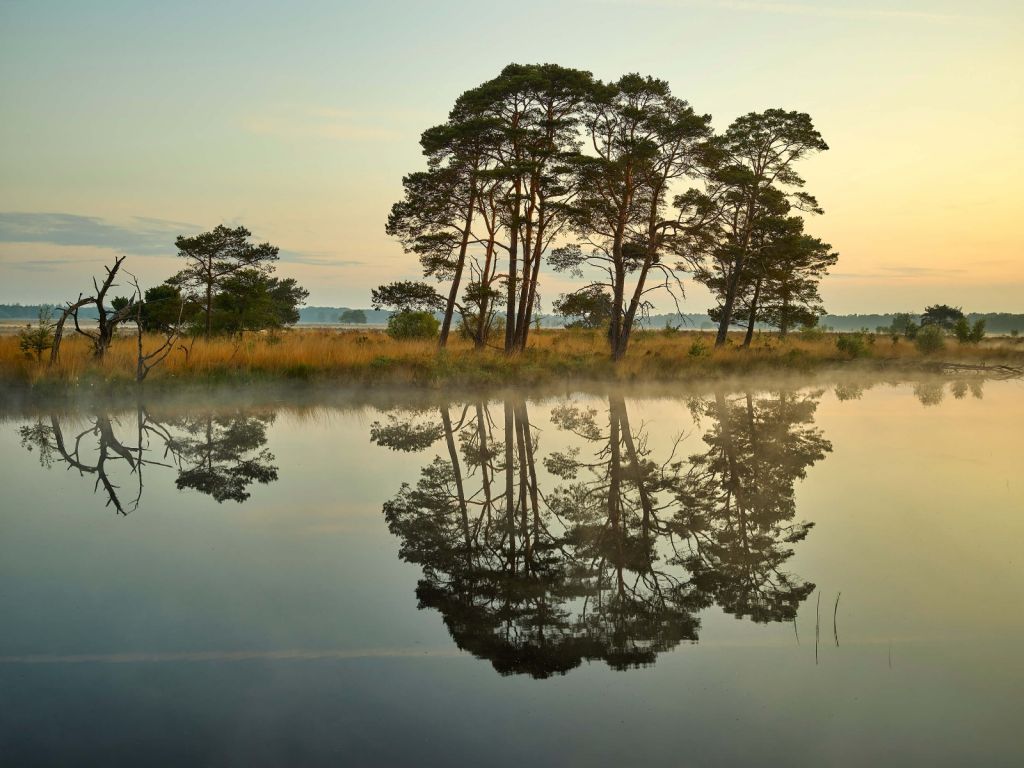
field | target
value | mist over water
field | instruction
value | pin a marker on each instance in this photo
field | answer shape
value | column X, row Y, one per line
column 747, row 574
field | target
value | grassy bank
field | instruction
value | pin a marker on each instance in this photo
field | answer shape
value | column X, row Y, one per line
column 371, row 358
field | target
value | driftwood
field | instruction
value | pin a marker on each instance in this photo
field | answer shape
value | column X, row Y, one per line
column 993, row 371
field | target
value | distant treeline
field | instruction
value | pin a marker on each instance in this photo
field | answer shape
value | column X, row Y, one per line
column 995, row 322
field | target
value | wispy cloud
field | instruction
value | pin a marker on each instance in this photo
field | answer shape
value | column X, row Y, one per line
column 137, row 236
column 318, row 259
column 47, row 265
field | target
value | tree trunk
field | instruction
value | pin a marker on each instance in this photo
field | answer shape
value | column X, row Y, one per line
column 513, row 270
column 209, row 308
column 453, row 294
column 753, row 315
column 510, row 504
column 524, row 334
column 730, row 300
column 453, row 455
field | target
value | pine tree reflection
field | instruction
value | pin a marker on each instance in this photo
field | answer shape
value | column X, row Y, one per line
column 222, row 456
column 737, row 504
column 617, row 558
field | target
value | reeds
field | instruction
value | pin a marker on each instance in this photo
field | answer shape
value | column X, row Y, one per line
column 369, row 357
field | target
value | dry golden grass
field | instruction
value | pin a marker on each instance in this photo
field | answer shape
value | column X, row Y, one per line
column 371, row 357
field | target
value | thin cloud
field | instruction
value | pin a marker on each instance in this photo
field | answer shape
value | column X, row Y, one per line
column 318, row 259
column 46, row 265
column 139, row 236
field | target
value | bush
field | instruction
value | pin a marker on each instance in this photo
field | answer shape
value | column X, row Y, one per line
column 698, row 348
column 852, row 344
column 930, row 339
column 812, row 333
column 413, row 325
column 495, row 328
column 33, row 340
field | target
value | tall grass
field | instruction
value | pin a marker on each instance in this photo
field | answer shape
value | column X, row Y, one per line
column 370, row 357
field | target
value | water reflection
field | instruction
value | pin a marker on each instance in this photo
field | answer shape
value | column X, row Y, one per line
column 603, row 544
column 216, row 454
column 929, row 392
column 606, row 547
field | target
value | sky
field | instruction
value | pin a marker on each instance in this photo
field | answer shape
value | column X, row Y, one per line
column 125, row 124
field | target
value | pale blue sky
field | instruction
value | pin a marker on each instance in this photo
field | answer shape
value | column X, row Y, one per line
column 125, row 123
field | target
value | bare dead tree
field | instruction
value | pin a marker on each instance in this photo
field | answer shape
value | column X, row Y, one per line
column 58, row 332
column 145, row 362
column 107, row 321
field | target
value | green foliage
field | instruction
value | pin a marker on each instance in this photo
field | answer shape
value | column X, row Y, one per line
column 969, row 334
column 588, row 308
column 36, row 339
column 904, row 324
column 353, row 317
column 406, row 296
column 251, row 300
column 215, row 257
column 410, row 324
column 698, row 348
column 164, row 307
column 942, row 315
column 930, row 339
column 854, row 344
column 812, row 332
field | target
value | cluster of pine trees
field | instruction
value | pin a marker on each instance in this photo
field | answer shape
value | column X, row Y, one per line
column 621, row 185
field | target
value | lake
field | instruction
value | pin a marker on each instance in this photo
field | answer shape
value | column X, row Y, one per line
column 826, row 575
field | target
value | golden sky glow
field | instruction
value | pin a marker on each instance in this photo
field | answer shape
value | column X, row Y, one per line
column 124, row 125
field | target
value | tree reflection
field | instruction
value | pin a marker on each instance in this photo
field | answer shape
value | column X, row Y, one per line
column 216, row 455
column 737, row 504
column 615, row 558
column 222, row 456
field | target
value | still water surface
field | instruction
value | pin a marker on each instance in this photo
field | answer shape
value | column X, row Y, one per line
column 827, row 576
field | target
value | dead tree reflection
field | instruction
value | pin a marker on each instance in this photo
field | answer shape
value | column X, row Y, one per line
column 219, row 456
column 96, row 451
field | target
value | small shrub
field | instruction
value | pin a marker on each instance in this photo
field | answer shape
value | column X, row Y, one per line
column 812, row 333
column 413, row 325
column 853, row 344
column 962, row 330
column 698, row 348
column 33, row 340
column 930, row 339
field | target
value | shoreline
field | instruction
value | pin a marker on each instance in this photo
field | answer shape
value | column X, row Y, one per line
column 248, row 393
column 354, row 362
